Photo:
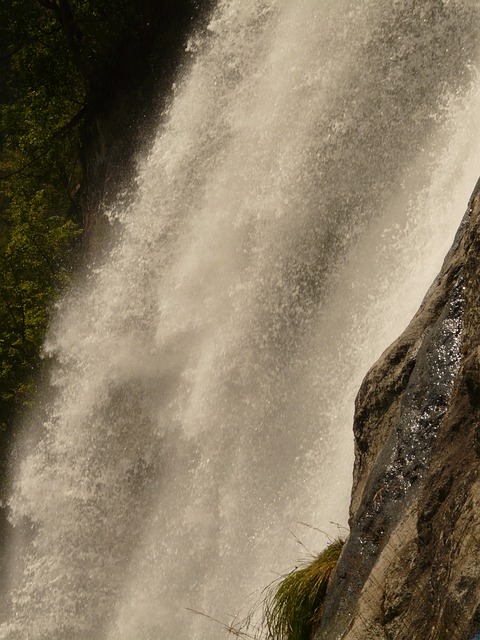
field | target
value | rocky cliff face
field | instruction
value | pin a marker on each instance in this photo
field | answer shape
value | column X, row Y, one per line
column 411, row 567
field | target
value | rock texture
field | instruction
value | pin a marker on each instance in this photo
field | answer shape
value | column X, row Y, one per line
column 411, row 566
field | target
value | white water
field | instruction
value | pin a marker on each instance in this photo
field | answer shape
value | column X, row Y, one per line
column 302, row 191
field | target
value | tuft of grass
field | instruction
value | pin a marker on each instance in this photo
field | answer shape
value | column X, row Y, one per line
column 293, row 609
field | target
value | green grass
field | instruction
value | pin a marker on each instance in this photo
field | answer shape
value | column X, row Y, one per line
column 293, row 608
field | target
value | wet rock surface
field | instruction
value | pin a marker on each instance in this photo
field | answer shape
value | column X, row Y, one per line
column 411, row 566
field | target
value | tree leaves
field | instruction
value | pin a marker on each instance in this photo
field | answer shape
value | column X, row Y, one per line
column 34, row 271
column 39, row 173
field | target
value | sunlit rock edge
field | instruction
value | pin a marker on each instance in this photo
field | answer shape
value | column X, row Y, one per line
column 411, row 566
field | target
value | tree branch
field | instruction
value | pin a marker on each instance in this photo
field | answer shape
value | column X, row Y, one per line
column 9, row 54
column 59, row 132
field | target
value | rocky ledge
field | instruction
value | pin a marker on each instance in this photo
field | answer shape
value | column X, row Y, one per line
column 410, row 569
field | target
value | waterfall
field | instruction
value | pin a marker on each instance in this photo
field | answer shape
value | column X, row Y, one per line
column 306, row 180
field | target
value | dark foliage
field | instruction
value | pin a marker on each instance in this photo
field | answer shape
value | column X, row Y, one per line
column 64, row 65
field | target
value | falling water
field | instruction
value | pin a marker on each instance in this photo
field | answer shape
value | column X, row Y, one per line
column 305, row 183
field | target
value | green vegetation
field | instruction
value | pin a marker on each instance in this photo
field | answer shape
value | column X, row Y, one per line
column 40, row 94
column 293, row 606
column 65, row 67
column 293, row 609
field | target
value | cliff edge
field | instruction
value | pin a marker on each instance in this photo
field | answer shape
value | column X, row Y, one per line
column 411, row 566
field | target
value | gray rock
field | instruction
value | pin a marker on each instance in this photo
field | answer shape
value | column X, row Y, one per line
column 411, row 566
